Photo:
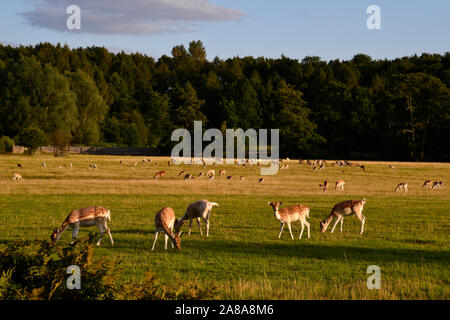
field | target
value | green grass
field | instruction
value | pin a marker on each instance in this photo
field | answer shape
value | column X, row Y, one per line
column 407, row 235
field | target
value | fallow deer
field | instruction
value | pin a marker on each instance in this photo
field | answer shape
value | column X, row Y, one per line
column 188, row 177
column 438, row 184
column 200, row 209
column 43, row 165
column 242, row 178
column 339, row 185
column 165, row 222
column 160, row 174
column 291, row 214
column 261, row 180
column 402, row 187
column 222, row 172
column 427, row 184
column 17, row 177
column 343, row 209
column 211, row 173
column 85, row 217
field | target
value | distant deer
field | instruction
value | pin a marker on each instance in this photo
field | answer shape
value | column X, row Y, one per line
column 19, row 166
column 229, row 178
column 211, row 173
column 43, row 165
column 343, row 209
column 200, row 209
column 402, row 187
column 427, row 184
column 200, row 175
column 391, row 167
column 242, row 178
column 339, row 185
column 70, row 165
column 291, row 214
column 324, row 186
column 85, row 217
column 222, row 172
column 188, row 177
column 160, row 174
column 261, row 180
column 182, row 173
column 17, row 177
column 438, row 184
column 164, row 222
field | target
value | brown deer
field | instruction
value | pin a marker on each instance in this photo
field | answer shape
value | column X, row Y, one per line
column 339, row 185
column 164, row 222
column 200, row 209
column 291, row 214
column 160, row 174
column 85, row 217
column 427, row 184
column 17, row 177
column 403, row 186
column 222, row 172
column 343, row 209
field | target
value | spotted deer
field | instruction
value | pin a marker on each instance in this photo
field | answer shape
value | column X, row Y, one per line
column 17, row 177
column 291, row 214
column 438, row 185
column 339, row 185
column 165, row 222
column 402, row 187
column 200, row 209
column 343, row 209
column 160, row 174
column 85, row 217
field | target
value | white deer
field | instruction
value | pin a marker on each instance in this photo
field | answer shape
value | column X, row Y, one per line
column 200, row 209
column 342, row 209
column 291, row 214
column 85, row 217
column 164, row 222
column 402, row 187
column 339, row 185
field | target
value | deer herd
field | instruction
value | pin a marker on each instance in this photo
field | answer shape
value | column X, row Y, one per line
column 166, row 222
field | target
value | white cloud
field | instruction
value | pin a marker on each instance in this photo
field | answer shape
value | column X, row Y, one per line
column 130, row 16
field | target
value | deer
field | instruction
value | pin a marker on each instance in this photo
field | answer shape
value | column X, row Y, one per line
column 324, row 186
column 200, row 209
column 164, row 222
column 438, row 184
column 211, row 173
column 17, row 177
column 43, row 165
column 343, row 209
column 339, row 185
column 391, row 167
column 403, row 186
column 19, row 166
column 229, row 178
column 261, row 180
column 427, row 184
column 160, row 174
column 188, row 177
column 242, row 178
column 291, row 214
column 222, row 172
column 85, row 217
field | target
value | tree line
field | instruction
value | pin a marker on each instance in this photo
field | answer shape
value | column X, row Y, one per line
column 362, row 108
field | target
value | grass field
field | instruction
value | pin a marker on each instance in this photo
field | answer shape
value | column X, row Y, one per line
column 406, row 235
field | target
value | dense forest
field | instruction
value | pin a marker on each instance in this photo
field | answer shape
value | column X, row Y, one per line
column 358, row 109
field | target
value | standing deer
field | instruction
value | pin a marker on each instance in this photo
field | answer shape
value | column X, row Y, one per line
column 339, row 185
column 17, row 177
column 200, row 209
column 291, row 214
column 222, row 172
column 402, row 187
column 85, row 217
column 342, row 209
column 160, row 174
column 427, row 184
column 164, row 222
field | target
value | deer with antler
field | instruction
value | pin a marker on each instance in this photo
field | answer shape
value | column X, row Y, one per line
column 291, row 214
column 164, row 222
column 343, row 209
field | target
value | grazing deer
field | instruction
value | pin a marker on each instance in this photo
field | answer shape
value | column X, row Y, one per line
column 402, row 187
column 362, row 167
column 324, row 186
column 43, row 165
column 188, row 177
column 160, row 174
column 17, row 177
column 19, row 165
column 343, row 209
column 427, row 184
column 85, row 217
column 339, row 185
column 242, row 178
column 291, row 214
column 211, row 173
column 164, row 222
column 222, row 172
column 261, row 180
column 391, row 167
column 200, row 175
column 212, row 178
column 229, row 178
column 200, row 209
column 438, row 184
column 182, row 173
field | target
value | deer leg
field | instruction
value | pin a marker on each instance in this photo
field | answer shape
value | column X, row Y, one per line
column 154, row 242
column 199, row 226
column 166, row 238
column 207, row 226
column 363, row 219
column 101, row 228
column 281, row 230
column 303, row 227
column 335, row 224
column 290, row 230
column 190, row 226
column 342, row 221
column 75, row 230
column 307, row 226
column 108, row 231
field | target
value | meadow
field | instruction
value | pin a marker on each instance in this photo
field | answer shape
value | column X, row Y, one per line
column 406, row 234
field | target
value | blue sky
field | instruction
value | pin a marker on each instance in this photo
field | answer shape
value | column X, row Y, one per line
column 327, row 28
